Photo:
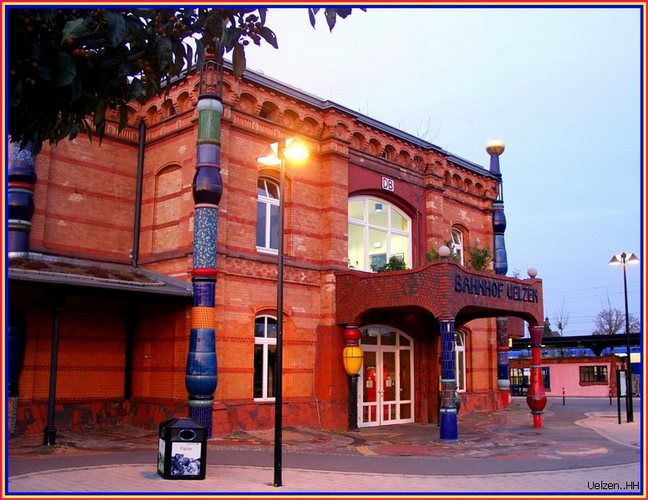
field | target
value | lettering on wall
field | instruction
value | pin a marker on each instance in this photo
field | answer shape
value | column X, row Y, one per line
column 388, row 184
column 496, row 289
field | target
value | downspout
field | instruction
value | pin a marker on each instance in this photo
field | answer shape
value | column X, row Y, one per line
column 49, row 434
column 138, row 194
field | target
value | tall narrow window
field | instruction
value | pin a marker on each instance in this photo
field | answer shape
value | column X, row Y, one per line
column 460, row 360
column 265, row 347
column 458, row 244
column 267, row 216
column 377, row 231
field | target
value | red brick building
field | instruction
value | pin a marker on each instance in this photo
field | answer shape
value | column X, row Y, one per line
column 110, row 255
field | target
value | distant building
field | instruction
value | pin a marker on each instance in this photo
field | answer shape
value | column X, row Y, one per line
column 577, row 366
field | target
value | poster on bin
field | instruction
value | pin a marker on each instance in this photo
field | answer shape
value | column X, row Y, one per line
column 185, row 459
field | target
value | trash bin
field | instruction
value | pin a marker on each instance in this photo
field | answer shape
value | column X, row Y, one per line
column 182, row 449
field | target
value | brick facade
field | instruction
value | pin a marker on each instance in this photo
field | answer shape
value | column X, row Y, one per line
column 112, row 373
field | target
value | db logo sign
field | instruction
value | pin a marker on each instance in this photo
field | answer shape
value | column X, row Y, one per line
column 388, row 184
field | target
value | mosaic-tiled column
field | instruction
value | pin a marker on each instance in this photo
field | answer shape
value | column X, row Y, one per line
column 352, row 358
column 448, row 413
column 201, row 374
column 495, row 147
column 536, row 397
column 503, row 383
column 20, row 198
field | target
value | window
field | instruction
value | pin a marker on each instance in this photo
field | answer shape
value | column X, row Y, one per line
column 593, row 374
column 265, row 347
column 377, row 232
column 520, row 379
column 458, row 245
column 460, row 360
column 546, row 377
column 267, row 239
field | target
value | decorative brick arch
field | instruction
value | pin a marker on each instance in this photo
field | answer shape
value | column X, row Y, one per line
column 443, row 288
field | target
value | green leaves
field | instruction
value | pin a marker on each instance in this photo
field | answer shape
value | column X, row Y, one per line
column 331, row 15
column 67, row 70
column 74, row 30
column 69, row 64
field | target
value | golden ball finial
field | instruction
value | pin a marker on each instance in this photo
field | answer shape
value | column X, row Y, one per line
column 495, row 146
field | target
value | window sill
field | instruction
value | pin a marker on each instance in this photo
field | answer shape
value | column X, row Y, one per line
column 267, row 251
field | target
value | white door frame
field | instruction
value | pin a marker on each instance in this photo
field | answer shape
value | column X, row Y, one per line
column 381, row 412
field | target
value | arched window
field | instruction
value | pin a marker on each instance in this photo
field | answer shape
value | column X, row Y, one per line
column 265, row 347
column 460, row 360
column 377, row 231
column 267, row 239
column 458, row 245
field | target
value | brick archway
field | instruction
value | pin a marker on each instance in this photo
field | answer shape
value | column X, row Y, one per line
column 444, row 288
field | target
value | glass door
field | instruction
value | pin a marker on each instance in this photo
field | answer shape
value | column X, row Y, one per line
column 386, row 378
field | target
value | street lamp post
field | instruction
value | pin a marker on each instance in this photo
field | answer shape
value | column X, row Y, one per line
column 616, row 260
column 276, row 157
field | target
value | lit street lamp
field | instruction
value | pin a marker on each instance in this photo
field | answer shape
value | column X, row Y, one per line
column 616, row 260
column 275, row 156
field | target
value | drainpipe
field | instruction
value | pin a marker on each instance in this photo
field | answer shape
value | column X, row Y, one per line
column 49, row 434
column 138, row 194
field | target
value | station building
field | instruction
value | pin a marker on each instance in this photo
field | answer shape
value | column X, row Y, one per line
column 101, row 305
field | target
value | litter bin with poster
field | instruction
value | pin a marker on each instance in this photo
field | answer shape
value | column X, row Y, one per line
column 182, row 449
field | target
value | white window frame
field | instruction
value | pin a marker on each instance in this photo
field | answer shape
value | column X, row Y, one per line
column 366, row 226
column 264, row 341
column 458, row 244
column 269, row 202
column 460, row 352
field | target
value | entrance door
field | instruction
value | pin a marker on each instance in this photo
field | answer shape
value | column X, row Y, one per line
column 386, row 378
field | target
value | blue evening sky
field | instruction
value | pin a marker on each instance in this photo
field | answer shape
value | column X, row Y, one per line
column 561, row 87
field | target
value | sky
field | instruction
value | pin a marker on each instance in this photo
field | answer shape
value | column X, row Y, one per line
column 561, row 86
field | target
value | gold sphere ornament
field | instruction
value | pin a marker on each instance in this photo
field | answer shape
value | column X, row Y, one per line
column 495, row 146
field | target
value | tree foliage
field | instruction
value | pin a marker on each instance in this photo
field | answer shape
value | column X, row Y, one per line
column 68, row 66
column 480, row 258
column 611, row 321
column 395, row 264
column 562, row 319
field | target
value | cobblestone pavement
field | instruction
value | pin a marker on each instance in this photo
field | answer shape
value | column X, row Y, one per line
column 580, row 448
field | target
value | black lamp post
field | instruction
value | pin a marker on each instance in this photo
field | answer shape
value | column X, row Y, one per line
column 623, row 259
column 276, row 157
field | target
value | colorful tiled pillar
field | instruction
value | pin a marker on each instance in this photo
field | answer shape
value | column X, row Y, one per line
column 503, row 383
column 495, row 147
column 201, row 373
column 352, row 358
column 448, row 413
column 536, row 397
column 20, row 198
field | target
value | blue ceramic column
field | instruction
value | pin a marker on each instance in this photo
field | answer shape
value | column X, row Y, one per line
column 448, row 413
column 495, row 147
column 201, row 373
column 20, row 198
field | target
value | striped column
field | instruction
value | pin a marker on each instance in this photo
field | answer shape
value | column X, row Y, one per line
column 201, row 373
column 503, row 383
column 495, row 148
column 448, row 414
column 536, row 397
column 20, row 198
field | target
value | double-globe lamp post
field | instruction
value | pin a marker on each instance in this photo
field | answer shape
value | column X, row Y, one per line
column 275, row 156
column 621, row 260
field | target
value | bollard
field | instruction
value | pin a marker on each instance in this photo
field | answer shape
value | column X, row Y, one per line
column 563, row 396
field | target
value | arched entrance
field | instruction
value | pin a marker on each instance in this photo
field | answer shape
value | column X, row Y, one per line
column 386, row 377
